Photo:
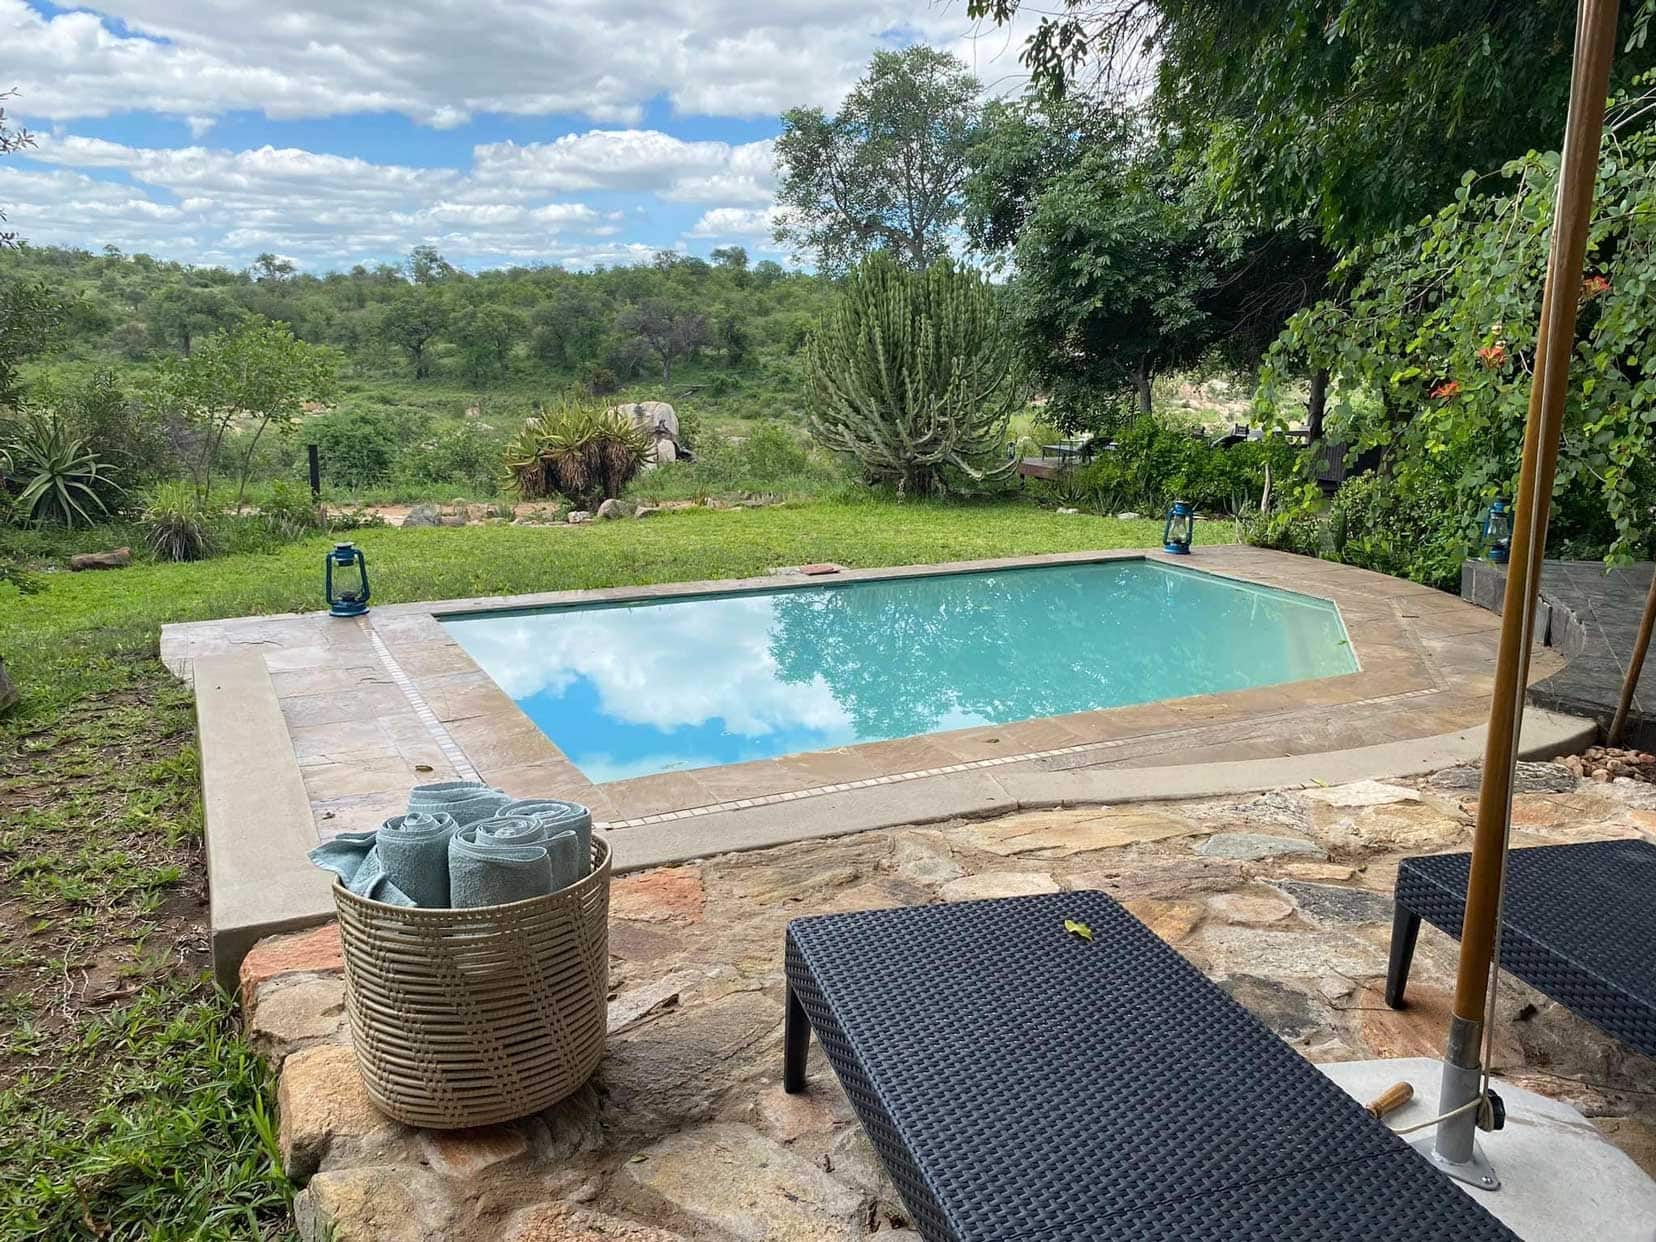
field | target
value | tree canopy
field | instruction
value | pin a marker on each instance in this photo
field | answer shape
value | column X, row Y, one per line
column 886, row 172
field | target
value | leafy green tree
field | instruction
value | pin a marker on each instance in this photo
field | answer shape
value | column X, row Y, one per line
column 486, row 336
column 669, row 329
column 272, row 269
column 31, row 316
column 1112, row 272
column 731, row 258
column 183, row 311
column 914, row 377
column 410, row 321
column 254, row 378
column 1356, row 117
column 567, row 329
column 1432, row 347
column 886, row 172
column 428, row 267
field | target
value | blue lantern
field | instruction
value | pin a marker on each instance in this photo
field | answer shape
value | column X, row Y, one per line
column 1497, row 531
column 346, row 580
column 1180, row 528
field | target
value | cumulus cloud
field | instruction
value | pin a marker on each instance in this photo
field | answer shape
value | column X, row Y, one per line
column 442, row 64
column 515, row 203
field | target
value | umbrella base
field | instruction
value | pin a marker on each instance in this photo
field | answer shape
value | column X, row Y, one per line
column 1560, row 1177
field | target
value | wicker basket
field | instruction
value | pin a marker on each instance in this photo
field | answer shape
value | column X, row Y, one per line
column 469, row 1017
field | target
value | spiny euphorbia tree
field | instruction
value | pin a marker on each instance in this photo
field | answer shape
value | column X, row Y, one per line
column 914, row 375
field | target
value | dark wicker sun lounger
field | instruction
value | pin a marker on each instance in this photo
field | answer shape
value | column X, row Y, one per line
column 1022, row 1084
column 1578, row 924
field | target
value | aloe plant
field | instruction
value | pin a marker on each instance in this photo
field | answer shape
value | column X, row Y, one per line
column 55, row 474
column 580, row 452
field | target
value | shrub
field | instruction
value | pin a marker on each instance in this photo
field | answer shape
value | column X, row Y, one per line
column 53, row 475
column 914, row 377
column 1401, row 528
column 576, row 451
column 358, row 447
column 175, row 523
column 462, row 454
column 1153, row 465
column 599, row 380
column 291, row 511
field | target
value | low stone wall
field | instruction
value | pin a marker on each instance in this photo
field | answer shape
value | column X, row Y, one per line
column 1590, row 616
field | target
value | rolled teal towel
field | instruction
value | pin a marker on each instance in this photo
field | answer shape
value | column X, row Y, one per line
column 466, row 801
column 355, row 858
column 496, row 861
column 557, row 816
column 414, row 850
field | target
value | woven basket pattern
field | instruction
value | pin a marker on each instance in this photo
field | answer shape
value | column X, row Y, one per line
column 474, row 1016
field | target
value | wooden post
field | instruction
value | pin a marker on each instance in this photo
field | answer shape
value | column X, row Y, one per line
column 1635, row 666
column 1573, row 209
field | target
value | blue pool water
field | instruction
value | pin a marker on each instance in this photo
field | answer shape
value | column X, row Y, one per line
column 664, row 685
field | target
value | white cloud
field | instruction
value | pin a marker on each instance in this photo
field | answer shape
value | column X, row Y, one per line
column 216, row 206
column 441, row 64
column 741, row 223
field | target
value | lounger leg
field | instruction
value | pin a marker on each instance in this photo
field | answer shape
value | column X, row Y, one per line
column 1405, row 930
column 796, row 1043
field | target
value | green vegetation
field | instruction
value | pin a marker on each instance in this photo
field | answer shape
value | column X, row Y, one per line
column 580, row 452
column 914, row 377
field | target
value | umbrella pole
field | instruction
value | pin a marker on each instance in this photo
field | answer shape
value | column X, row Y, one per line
column 1635, row 666
column 1464, row 1073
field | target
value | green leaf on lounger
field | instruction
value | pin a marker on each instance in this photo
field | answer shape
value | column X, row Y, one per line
column 1078, row 929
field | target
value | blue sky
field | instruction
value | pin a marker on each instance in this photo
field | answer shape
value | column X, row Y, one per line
column 334, row 132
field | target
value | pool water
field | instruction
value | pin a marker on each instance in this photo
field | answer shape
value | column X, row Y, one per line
column 632, row 689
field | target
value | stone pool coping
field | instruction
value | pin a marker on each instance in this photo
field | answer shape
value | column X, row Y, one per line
column 374, row 704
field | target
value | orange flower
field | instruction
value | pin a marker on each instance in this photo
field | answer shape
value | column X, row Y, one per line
column 1593, row 286
column 1492, row 356
column 1447, row 389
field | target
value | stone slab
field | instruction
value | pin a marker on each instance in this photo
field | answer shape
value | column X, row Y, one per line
column 257, row 814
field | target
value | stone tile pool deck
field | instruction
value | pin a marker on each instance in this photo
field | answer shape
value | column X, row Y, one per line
column 685, row 1135
column 372, row 705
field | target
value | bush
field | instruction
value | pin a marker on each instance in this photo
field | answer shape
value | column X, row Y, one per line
column 291, row 511
column 576, row 451
column 175, row 523
column 914, row 377
column 358, row 447
column 1153, row 465
column 54, row 477
column 1406, row 530
column 463, row 454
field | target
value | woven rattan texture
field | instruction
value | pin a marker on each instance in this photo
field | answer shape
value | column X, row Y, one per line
column 1579, row 924
column 1021, row 1083
column 469, row 1017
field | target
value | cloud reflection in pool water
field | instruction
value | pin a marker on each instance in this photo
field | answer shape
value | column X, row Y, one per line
column 656, row 686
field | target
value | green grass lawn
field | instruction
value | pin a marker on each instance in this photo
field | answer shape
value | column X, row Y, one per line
column 130, row 1107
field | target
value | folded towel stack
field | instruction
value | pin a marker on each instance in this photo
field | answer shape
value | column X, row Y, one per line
column 463, row 844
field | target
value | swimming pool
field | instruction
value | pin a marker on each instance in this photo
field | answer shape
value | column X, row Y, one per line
column 662, row 685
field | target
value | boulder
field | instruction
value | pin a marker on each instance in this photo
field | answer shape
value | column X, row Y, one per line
column 578, row 517
column 644, row 511
column 118, row 558
column 657, row 420
column 421, row 515
column 612, row 509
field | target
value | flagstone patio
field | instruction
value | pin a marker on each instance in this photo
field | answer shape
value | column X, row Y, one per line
column 1283, row 898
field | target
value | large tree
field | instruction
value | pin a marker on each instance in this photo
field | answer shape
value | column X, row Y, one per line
column 30, row 313
column 886, row 172
column 410, row 322
column 668, row 328
column 1357, row 116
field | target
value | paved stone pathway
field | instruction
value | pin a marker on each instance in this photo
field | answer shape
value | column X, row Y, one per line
column 685, row 1133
